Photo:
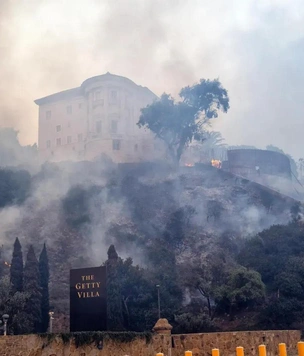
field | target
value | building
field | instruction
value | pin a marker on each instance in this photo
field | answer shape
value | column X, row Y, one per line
column 98, row 118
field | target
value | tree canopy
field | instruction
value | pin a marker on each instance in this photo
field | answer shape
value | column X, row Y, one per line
column 179, row 123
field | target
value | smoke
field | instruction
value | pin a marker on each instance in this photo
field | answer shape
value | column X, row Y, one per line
column 255, row 48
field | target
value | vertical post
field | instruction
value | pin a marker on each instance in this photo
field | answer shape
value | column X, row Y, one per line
column 282, row 349
column 215, row 352
column 301, row 348
column 51, row 321
column 5, row 319
column 240, row 351
column 262, row 350
column 5, row 328
column 158, row 298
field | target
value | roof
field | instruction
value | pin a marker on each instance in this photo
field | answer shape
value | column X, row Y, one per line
column 62, row 95
column 72, row 93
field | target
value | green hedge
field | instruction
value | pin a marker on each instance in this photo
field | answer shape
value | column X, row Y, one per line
column 90, row 337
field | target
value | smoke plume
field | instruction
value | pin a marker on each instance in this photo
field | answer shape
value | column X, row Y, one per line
column 255, row 48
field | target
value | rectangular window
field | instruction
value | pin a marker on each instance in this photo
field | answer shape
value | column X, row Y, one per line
column 79, row 137
column 98, row 126
column 48, row 144
column 80, row 105
column 58, row 128
column 116, row 145
column 97, row 95
column 114, row 126
column 69, row 139
column 48, row 114
column 69, row 109
column 136, row 147
column 113, row 95
column 58, row 142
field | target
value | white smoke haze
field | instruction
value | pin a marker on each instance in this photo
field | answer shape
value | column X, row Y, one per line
column 256, row 48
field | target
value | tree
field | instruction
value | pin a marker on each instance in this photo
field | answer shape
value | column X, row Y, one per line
column 207, row 278
column 44, row 285
column 245, row 287
column 114, row 297
column 179, row 123
column 32, row 287
column 16, row 270
column 14, row 305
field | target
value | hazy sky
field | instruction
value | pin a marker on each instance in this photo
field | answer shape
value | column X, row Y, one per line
column 255, row 47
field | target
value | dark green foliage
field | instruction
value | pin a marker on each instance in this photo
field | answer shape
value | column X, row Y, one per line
column 114, row 298
column 16, row 270
column 14, row 186
column 76, row 206
column 95, row 337
column 44, row 285
column 138, row 296
column 269, row 251
column 277, row 253
column 32, row 288
column 243, row 289
column 13, row 305
column 280, row 314
column 178, row 123
column 193, row 323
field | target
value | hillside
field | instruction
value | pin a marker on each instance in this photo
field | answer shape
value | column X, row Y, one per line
column 80, row 209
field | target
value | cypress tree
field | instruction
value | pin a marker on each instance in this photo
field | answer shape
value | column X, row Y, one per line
column 44, row 285
column 16, row 270
column 114, row 298
column 31, row 285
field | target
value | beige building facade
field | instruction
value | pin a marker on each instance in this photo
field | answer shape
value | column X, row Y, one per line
column 98, row 118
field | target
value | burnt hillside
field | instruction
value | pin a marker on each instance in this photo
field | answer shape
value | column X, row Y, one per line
column 80, row 209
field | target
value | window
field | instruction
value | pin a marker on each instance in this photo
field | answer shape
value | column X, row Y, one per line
column 69, row 109
column 98, row 126
column 113, row 95
column 114, row 126
column 48, row 144
column 79, row 137
column 97, row 95
column 79, row 105
column 58, row 128
column 69, row 139
column 116, row 145
column 136, row 147
column 48, row 114
column 69, row 124
column 58, row 142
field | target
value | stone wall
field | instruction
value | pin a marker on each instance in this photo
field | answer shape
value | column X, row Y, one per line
column 202, row 344
column 175, row 345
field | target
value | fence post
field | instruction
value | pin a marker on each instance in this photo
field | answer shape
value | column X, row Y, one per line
column 262, row 350
column 240, row 351
column 282, row 349
column 301, row 348
column 216, row 352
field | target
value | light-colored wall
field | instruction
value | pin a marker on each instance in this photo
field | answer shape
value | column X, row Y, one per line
column 87, row 112
column 199, row 344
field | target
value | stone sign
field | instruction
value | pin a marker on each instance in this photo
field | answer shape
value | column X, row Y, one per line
column 88, row 299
